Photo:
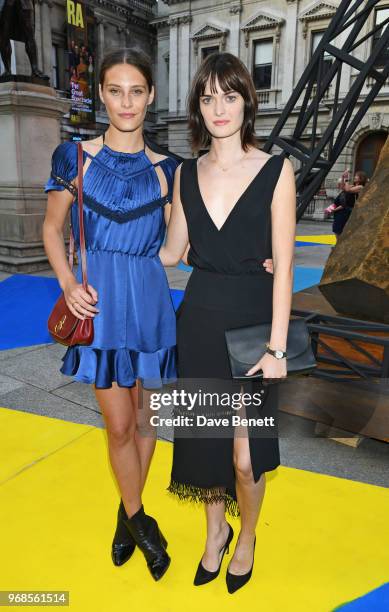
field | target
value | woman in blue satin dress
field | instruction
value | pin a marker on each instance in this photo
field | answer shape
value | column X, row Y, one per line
column 126, row 185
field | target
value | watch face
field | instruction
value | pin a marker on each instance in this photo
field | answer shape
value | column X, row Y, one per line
column 279, row 354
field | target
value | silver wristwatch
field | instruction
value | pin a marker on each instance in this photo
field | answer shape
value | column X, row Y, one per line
column 278, row 354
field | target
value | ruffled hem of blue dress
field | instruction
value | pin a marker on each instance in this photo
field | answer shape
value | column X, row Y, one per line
column 123, row 366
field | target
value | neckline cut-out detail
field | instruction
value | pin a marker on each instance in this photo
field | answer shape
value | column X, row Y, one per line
column 132, row 154
column 219, row 229
column 123, row 153
column 97, row 157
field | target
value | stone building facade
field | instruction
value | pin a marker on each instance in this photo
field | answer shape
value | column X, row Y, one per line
column 275, row 39
column 34, row 118
column 115, row 22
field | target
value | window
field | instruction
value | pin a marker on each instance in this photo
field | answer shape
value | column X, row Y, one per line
column 316, row 38
column 368, row 152
column 381, row 15
column 54, row 71
column 262, row 69
column 205, row 51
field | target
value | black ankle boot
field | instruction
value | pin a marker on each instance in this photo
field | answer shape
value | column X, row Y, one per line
column 123, row 544
column 145, row 531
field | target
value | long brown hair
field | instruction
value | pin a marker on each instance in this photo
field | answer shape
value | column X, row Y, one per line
column 232, row 75
column 362, row 176
column 127, row 55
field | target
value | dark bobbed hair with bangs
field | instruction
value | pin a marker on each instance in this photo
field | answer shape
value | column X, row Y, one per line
column 232, row 75
column 127, row 55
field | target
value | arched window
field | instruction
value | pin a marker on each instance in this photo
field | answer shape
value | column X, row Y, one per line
column 368, row 152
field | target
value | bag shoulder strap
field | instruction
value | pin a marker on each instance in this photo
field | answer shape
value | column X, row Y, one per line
column 80, row 199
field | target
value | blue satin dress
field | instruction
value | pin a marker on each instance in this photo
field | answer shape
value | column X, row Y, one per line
column 135, row 330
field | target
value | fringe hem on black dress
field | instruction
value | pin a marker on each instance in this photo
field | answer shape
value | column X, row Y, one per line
column 191, row 493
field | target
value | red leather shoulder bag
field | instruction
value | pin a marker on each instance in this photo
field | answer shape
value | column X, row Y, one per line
column 64, row 327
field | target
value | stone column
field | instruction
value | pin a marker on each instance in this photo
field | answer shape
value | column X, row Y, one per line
column 275, row 78
column 99, row 56
column 100, row 40
column 38, row 33
column 184, row 60
column 30, row 116
column 345, row 79
column 47, row 64
column 121, row 36
column 235, row 12
column 173, row 65
column 289, row 50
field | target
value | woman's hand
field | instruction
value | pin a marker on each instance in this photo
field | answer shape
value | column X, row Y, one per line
column 79, row 301
column 268, row 265
column 270, row 366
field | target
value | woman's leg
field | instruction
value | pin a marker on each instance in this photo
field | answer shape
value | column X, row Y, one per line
column 217, row 533
column 145, row 433
column 119, row 411
column 119, row 414
column 250, row 496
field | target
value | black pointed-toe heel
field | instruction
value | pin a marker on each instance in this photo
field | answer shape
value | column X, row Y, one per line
column 148, row 537
column 234, row 581
column 202, row 575
column 123, row 544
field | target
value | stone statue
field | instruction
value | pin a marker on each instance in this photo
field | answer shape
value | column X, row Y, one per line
column 17, row 22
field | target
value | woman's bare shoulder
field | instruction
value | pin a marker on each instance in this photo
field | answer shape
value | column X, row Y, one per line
column 153, row 156
column 92, row 146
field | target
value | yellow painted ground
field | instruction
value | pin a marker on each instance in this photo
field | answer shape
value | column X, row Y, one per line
column 322, row 239
column 321, row 540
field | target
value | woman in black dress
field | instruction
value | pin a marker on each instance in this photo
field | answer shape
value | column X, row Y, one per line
column 235, row 206
column 350, row 194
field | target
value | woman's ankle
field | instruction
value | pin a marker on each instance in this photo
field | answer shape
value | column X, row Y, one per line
column 133, row 509
column 246, row 536
column 217, row 529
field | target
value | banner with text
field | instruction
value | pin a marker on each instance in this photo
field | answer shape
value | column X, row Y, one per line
column 81, row 62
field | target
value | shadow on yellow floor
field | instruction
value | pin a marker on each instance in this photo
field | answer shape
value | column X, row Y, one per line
column 320, row 540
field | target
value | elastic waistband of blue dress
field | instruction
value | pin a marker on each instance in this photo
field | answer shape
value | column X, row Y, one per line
column 117, row 252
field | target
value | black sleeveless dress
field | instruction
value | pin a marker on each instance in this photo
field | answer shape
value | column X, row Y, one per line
column 228, row 288
column 342, row 216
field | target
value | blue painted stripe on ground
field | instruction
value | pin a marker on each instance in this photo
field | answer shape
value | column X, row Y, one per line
column 26, row 302
column 300, row 243
column 374, row 601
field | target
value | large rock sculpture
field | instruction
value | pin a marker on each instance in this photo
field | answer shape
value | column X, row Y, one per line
column 355, row 280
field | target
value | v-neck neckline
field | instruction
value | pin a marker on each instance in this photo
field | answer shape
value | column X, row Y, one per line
column 237, row 201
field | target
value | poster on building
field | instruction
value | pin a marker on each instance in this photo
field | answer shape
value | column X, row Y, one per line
column 81, row 62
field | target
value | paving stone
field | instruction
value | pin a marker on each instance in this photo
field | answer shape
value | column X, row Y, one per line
column 79, row 393
column 9, row 353
column 300, row 448
column 8, row 384
column 38, row 401
column 39, row 367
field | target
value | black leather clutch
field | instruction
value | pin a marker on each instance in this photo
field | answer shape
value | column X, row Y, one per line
column 246, row 346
